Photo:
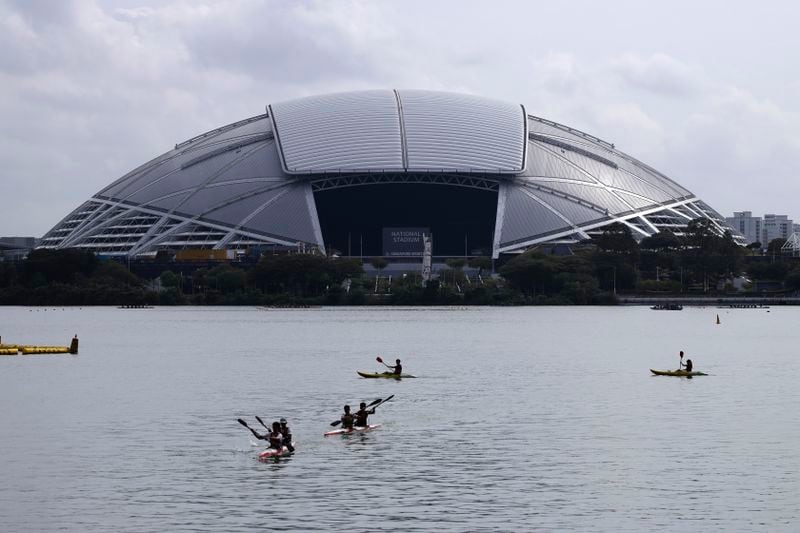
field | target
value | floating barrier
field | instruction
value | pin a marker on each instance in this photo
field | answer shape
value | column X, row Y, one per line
column 25, row 349
column 30, row 350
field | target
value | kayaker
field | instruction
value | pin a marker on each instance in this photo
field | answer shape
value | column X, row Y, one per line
column 362, row 414
column 287, row 435
column 688, row 365
column 398, row 368
column 275, row 437
column 347, row 418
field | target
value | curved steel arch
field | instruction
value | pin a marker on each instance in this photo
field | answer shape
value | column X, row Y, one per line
column 453, row 180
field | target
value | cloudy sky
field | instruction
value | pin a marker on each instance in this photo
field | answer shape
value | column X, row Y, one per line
column 707, row 92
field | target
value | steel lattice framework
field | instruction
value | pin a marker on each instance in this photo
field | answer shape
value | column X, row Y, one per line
column 253, row 182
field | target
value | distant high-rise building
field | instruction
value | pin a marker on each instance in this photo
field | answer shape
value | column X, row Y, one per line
column 746, row 224
column 16, row 247
column 763, row 230
column 776, row 227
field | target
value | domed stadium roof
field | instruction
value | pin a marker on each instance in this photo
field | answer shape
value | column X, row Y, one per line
column 255, row 182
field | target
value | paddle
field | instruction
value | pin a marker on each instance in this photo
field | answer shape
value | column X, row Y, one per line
column 378, row 359
column 253, row 431
column 288, row 444
column 374, row 404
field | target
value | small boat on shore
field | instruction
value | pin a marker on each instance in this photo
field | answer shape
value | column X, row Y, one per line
column 667, row 307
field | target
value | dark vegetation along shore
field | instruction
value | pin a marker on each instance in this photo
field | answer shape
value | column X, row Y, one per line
column 611, row 265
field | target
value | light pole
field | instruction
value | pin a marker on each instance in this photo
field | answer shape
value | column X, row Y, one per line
column 614, row 274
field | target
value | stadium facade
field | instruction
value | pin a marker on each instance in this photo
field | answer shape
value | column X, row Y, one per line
column 330, row 172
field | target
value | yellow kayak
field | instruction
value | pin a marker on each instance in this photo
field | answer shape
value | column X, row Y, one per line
column 678, row 373
column 389, row 375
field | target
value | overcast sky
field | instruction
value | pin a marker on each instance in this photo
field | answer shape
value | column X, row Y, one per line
column 706, row 92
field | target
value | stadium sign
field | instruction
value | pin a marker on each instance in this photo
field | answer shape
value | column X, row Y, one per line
column 404, row 242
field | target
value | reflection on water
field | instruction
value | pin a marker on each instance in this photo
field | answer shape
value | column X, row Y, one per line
column 521, row 419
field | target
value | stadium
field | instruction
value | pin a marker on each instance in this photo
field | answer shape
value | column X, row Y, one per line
column 346, row 173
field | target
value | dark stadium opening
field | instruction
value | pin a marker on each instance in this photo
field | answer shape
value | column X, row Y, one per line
column 460, row 219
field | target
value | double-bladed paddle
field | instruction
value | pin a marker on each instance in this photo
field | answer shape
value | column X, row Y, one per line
column 373, row 405
column 253, row 431
column 288, row 444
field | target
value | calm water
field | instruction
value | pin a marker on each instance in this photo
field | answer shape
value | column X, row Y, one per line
column 521, row 419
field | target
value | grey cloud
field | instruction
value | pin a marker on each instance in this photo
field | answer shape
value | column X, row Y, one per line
column 90, row 90
column 659, row 74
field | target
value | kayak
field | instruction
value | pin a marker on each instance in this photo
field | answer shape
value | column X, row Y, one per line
column 678, row 373
column 389, row 375
column 356, row 429
column 269, row 453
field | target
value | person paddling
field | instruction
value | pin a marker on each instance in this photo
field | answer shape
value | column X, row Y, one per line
column 362, row 414
column 287, row 435
column 397, row 369
column 347, row 418
column 275, row 437
column 688, row 365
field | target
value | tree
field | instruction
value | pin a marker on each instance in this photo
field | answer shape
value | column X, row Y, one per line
column 617, row 239
column 701, row 234
column 481, row 263
column 662, row 241
column 301, row 274
column 456, row 263
column 379, row 263
column 113, row 273
column 226, row 278
column 792, row 280
column 170, row 280
column 775, row 245
column 59, row 265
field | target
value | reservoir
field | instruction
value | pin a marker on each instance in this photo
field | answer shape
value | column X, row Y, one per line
column 520, row 419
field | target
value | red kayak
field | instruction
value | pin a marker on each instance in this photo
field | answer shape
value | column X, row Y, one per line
column 356, row 429
column 269, row 453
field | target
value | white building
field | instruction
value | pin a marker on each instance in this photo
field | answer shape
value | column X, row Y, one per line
column 776, row 227
column 746, row 224
column 763, row 230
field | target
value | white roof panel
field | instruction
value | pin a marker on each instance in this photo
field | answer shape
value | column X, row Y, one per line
column 415, row 131
column 342, row 132
column 463, row 133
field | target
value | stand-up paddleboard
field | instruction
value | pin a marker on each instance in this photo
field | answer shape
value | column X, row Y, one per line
column 677, row 373
column 388, row 375
column 357, row 429
column 270, row 453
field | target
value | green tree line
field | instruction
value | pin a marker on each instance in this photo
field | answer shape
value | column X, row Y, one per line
column 610, row 263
